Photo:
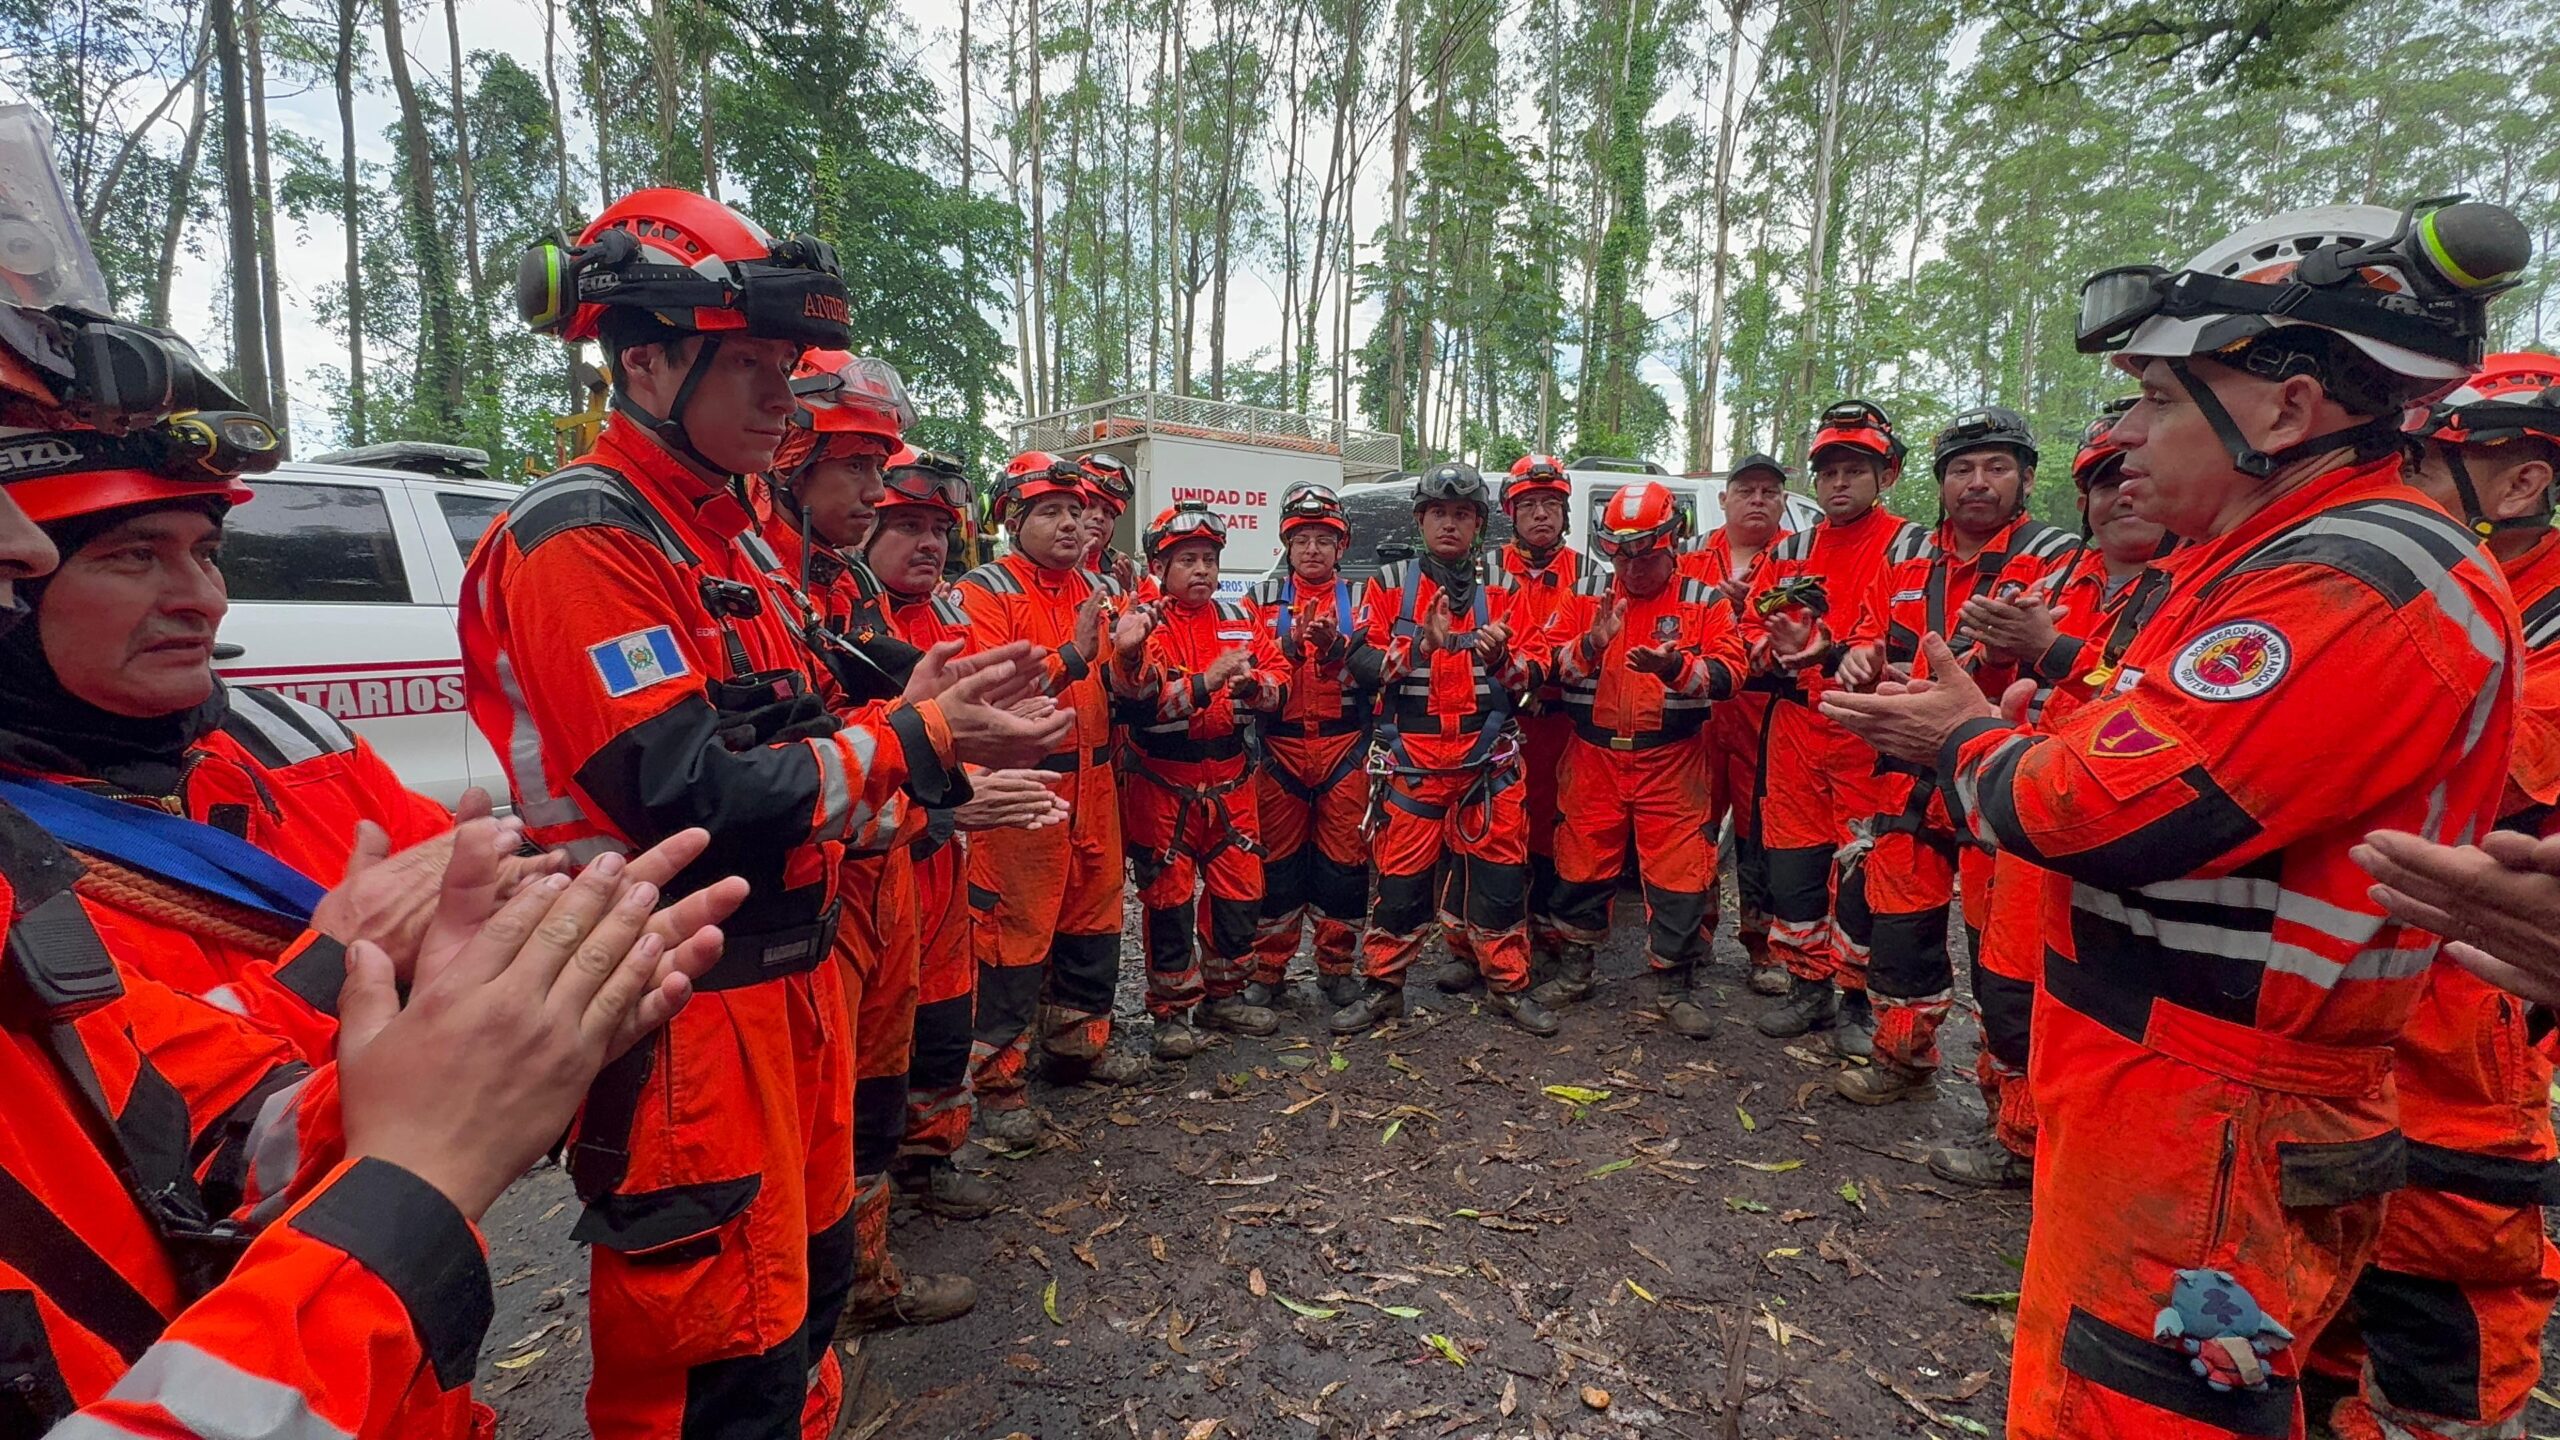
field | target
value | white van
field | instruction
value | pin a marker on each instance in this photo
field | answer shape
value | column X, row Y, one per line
column 344, row 581
column 1381, row 513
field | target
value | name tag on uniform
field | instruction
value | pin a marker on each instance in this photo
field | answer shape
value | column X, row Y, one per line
column 1904, row 596
column 1239, row 636
column 638, row 660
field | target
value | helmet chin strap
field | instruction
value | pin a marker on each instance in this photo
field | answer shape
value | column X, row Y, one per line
column 2476, row 515
column 2251, row 461
column 670, row 432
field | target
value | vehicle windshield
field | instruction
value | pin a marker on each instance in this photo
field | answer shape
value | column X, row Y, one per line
column 1382, row 514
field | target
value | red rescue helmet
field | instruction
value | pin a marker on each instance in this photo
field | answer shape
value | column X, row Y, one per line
column 57, row 475
column 1107, row 478
column 1185, row 520
column 1861, row 426
column 925, row 478
column 1311, row 502
column 1535, row 475
column 2099, row 456
column 849, row 405
column 660, row 264
column 2515, row 396
column 1034, row 475
column 1638, row 519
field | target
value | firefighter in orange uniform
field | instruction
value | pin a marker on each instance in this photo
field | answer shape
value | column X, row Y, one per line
column 1755, row 512
column 2221, row 989
column 1194, row 832
column 1442, row 637
column 1045, row 904
column 1985, row 545
column 824, row 485
column 636, row 663
column 924, row 496
column 1808, row 593
column 1653, row 652
column 2442, row 1336
column 2070, row 630
column 1109, row 490
column 1312, row 787
column 1538, row 498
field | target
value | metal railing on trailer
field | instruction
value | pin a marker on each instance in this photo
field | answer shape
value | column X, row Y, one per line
column 1365, row 453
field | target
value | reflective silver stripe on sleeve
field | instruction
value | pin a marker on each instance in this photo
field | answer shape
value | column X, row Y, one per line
column 210, row 1397
column 2383, row 963
column 275, row 1148
column 835, row 798
column 2351, row 928
column 2192, row 936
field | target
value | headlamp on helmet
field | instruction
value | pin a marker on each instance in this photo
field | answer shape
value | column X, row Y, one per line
column 1108, row 477
column 1983, row 428
column 925, row 477
column 2098, row 456
column 1862, row 426
column 1031, row 476
column 1453, row 480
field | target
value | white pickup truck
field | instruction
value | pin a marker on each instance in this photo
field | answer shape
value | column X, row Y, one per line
column 344, row 581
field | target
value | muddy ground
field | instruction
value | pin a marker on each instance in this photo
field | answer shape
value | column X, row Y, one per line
column 1413, row 1235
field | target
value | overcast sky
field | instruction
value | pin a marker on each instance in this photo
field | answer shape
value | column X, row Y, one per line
column 313, row 257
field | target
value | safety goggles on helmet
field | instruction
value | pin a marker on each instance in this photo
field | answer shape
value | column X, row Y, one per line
column 1030, row 476
column 2115, row 303
column 1309, row 503
column 1107, row 476
column 1186, row 520
column 1980, row 429
column 56, row 474
column 843, row 394
column 1456, row 480
column 2098, row 453
column 1637, row 520
column 1535, row 475
column 925, row 477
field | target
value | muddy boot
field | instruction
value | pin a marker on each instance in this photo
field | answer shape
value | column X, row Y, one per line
column 1572, row 983
column 1238, row 1016
column 1811, row 1005
column 1339, row 990
column 1120, row 1065
column 1689, row 1013
column 1884, row 1083
column 1855, row 1035
column 1260, row 994
column 941, row 1188
column 1521, row 1008
column 1179, row 1040
column 1768, row 979
column 1456, row 976
column 1378, row 1003
column 1009, row 1129
column 919, row 1300
column 1986, row 1165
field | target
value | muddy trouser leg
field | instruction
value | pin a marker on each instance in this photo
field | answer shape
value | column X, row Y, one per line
column 880, row 931
column 1489, row 836
column 1408, row 848
column 1544, row 738
column 946, row 996
column 1232, row 881
column 1452, row 907
column 2006, row 962
column 1669, row 799
column 1909, row 973
column 1799, row 832
column 2451, row 1317
column 1341, row 878
column 2149, row 1164
column 721, row 1260
column 1017, row 884
column 1591, row 845
column 1288, row 871
column 1167, row 880
column 1084, row 958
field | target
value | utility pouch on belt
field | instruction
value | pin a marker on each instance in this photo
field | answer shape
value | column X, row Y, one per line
column 768, row 707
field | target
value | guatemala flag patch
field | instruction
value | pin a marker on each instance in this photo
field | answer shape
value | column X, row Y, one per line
column 638, row 660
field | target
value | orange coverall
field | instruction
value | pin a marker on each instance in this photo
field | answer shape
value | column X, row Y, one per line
column 1820, row 776
column 639, row 668
column 1312, row 788
column 1194, row 832
column 1451, row 782
column 2443, row 1331
column 1045, row 904
column 1737, row 754
column 1910, row 873
column 1545, row 730
column 1637, row 764
column 216, row 1262
column 2212, row 1057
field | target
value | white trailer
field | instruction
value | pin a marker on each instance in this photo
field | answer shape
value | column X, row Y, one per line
column 1238, row 459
